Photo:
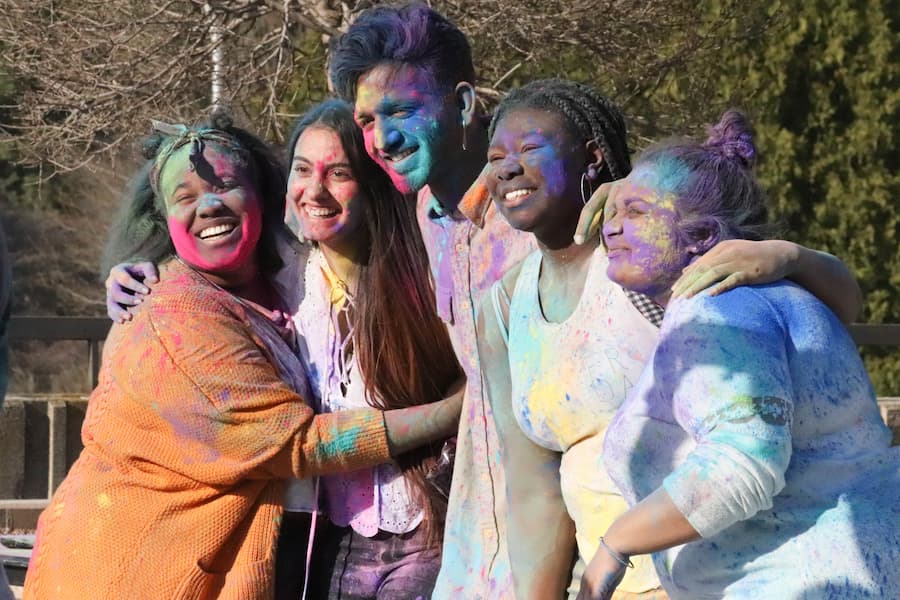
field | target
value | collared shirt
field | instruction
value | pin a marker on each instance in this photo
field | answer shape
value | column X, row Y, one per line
column 468, row 250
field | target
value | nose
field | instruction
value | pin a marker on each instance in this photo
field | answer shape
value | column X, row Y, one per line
column 316, row 187
column 210, row 205
column 611, row 226
column 508, row 168
column 387, row 139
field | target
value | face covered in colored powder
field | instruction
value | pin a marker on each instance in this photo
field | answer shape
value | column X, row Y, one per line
column 534, row 173
column 322, row 191
column 214, row 212
column 411, row 125
column 641, row 233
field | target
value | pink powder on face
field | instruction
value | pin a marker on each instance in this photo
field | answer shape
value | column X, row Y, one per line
column 187, row 245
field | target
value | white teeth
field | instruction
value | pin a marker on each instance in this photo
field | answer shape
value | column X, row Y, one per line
column 217, row 230
column 402, row 155
column 320, row 212
column 516, row 194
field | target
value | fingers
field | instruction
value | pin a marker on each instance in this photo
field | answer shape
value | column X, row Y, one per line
column 692, row 282
column 732, row 281
column 121, row 277
column 124, row 288
column 146, row 270
column 591, row 219
column 116, row 313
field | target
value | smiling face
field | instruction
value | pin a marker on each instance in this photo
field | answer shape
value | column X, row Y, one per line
column 640, row 230
column 213, row 211
column 322, row 191
column 534, row 173
column 411, row 125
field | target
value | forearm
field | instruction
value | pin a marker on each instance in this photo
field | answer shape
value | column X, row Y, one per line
column 410, row 428
column 541, row 541
column 652, row 525
column 829, row 279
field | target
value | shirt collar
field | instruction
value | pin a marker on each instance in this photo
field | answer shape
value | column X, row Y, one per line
column 473, row 206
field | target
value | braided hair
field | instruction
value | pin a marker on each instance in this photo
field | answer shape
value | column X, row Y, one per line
column 589, row 115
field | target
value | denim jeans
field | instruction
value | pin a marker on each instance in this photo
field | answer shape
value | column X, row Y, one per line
column 388, row 566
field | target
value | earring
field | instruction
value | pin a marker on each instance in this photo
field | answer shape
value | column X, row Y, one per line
column 591, row 172
column 585, row 182
column 464, row 135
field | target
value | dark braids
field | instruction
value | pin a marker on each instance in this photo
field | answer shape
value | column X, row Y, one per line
column 591, row 116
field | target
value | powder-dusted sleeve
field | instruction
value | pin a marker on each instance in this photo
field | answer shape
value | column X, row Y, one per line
column 725, row 362
column 233, row 415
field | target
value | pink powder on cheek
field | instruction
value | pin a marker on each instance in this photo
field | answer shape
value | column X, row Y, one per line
column 186, row 244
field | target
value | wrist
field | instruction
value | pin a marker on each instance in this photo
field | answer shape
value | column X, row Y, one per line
column 795, row 257
column 619, row 557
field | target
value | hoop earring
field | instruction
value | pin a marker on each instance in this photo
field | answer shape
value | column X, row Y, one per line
column 585, row 182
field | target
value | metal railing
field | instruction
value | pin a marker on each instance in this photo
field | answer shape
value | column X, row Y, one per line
column 52, row 421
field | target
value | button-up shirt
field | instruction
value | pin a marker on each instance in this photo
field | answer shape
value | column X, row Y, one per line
column 469, row 249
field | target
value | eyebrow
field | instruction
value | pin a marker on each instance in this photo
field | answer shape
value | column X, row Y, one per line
column 344, row 164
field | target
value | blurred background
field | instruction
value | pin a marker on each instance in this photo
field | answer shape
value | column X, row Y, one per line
column 80, row 80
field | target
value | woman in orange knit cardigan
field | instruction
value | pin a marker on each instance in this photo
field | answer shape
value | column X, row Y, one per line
column 199, row 416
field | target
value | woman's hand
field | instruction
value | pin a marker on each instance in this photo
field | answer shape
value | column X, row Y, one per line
column 125, row 287
column 731, row 263
column 601, row 577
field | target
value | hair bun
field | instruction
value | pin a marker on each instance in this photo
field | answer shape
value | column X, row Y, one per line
column 732, row 136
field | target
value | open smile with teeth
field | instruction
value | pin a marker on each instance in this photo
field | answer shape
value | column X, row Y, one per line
column 400, row 155
column 518, row 194
column 217, row 231
column 319, row 212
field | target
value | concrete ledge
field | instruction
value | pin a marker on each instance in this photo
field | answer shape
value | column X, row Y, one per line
column 890, row 412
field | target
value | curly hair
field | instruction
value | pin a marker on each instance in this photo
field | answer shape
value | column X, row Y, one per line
column 140, row 230
column 589, row 115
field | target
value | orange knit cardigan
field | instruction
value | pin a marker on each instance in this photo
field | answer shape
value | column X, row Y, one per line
column 188, row 440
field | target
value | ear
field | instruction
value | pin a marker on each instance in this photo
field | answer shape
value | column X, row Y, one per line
column 594, row 152
column 465, row 100
column 706, row 235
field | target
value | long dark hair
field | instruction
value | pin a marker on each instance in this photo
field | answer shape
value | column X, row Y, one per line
column 402, row 347
column 141, row 232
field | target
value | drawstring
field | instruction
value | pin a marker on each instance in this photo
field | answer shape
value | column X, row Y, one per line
column 309, row 544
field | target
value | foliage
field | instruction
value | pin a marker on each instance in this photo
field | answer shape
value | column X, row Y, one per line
column 823, row 87
column 79, row 81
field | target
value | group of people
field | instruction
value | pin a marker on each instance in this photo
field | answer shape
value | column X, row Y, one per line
column 433, row 354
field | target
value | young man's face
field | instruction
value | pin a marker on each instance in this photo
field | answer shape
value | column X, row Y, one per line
column 412, row 126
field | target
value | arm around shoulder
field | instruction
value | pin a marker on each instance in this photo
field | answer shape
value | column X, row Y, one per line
column 226, row 399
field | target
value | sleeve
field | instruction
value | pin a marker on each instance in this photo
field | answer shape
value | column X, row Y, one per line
column 724, row 359
column 234, row 417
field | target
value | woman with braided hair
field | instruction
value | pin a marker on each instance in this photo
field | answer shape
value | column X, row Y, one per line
column 571, row 341
column 202, row 413
column 751, row 449
column 561, row 345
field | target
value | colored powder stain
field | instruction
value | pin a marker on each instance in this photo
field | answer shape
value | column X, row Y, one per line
column 103, row 501
column 344, row 442
column 666, row 174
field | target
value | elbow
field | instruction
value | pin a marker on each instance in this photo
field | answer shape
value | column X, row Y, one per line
column 724, row 485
